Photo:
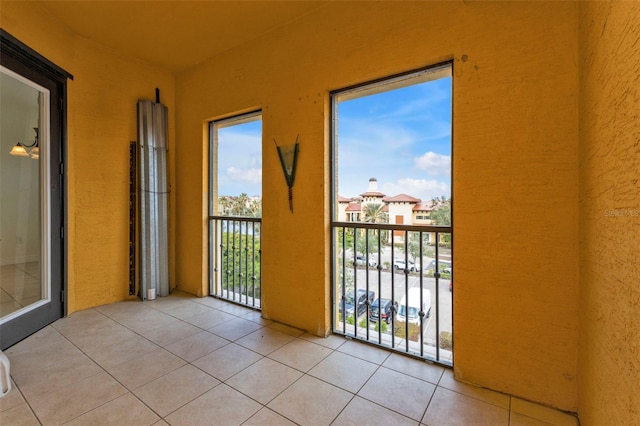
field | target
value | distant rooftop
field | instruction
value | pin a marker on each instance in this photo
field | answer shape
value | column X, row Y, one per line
column 401, row 198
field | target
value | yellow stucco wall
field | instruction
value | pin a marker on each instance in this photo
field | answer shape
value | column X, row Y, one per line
column 515, row 170
column 609, row 362
column 516, row 174
column 101, row 121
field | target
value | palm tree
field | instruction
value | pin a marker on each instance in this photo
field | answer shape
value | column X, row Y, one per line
column 224, row 205
column 239, row 205
column 255, row 207
column 373, row 213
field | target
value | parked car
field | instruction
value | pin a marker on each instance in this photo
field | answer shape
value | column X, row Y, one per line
column 401, row 264
column 361, row 261
column 410, row 307
column 381, row 308
column 362, row 300
column 444, row 266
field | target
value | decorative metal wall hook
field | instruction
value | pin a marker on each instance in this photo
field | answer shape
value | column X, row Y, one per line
column 27, row 150
column 289, row 159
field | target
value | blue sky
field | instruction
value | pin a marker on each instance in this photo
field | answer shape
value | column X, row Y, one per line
column 240, row 159
column 401, row 137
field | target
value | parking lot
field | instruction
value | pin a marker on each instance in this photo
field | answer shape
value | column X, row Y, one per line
column 394, row 284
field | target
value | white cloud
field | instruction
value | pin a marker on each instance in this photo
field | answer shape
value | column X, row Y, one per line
column 418, row 188
column 252, row 175
column 434, row 164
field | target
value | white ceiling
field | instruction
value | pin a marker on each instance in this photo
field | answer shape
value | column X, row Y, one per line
column 176, row 35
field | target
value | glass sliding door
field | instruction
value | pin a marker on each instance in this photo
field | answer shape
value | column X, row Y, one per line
column 24, row 223
column 32, row 128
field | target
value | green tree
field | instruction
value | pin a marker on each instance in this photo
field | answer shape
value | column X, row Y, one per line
column 240, row 206
column 374, row 213
column 414, row 246
column 345, row 278
column 378, row 325
column 441, row 215
column 241, row 263
column 348, row 282
column 348, row 238
column 372, row 247
column 224, row 204
column 385, row 237
column 255, row 207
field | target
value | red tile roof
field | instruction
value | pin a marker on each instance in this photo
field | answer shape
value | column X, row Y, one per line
column 424, row 206
column 353, row 207
column 373, row 194
column 401, row 198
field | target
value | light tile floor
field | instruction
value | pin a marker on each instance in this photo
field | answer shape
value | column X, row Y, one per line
column 19, row 286
column 182, row 360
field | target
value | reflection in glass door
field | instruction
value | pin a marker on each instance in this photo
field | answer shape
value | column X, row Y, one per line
column 24, row 242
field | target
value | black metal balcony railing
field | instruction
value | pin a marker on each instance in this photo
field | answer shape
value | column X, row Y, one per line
column 392, row 286
column 235, row 259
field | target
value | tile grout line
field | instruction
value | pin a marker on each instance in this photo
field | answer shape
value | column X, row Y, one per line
column 435, row 389
column 186, row 361
column 129, row 391
column 220, row 382
column 26, row 402
column 331, row 350
column 354, row 394
column 71, row 384
column 190, row 363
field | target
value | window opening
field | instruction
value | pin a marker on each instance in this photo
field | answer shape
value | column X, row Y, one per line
column 391, row 224
column 235, row 208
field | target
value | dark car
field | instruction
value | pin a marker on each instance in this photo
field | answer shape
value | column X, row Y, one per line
column 381, row 308
column 361, row 302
